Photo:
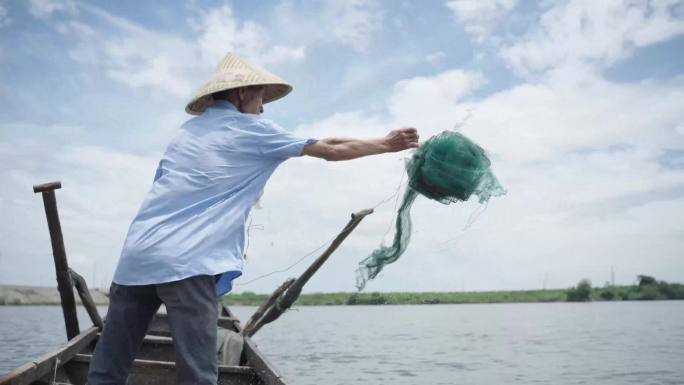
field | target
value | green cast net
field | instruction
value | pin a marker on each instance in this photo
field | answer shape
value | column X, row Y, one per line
column 447, row 168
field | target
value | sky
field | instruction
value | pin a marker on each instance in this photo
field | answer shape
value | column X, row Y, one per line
column 580, row 105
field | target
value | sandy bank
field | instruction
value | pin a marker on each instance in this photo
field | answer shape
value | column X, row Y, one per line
column 32, row 295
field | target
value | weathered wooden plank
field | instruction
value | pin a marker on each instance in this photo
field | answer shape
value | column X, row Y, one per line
column 160, row 324
column 154, row 365
column 254, row 358
column 33, row 371
column 159, row 348
column 262, row 367
column 234, row 325
column 148, row 372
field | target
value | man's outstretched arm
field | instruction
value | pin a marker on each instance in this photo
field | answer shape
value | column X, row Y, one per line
column 335, row 149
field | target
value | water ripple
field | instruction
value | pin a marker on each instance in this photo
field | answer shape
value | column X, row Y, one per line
column 599, row 343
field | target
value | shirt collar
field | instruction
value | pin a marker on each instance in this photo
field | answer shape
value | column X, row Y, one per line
column 223, row 104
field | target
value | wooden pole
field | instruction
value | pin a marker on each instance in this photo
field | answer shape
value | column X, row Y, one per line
column 295, row 288
column 87, row 299
column 257, row 316
column 64, row 284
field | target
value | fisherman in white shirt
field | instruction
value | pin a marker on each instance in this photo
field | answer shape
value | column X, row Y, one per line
column 186, row 244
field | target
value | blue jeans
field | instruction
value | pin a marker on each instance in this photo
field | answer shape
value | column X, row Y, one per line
column 192, row 309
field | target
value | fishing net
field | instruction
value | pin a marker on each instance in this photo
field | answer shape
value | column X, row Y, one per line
column 447, row 168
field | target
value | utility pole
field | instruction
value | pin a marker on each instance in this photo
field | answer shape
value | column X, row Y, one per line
column 546, row 277
column 94, row 282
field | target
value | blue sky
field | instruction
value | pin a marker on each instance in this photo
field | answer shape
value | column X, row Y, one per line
column 579, row 104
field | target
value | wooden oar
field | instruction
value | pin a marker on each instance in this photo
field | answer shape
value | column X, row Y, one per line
column 66, row 277
column 64, row 284
column 283, row 297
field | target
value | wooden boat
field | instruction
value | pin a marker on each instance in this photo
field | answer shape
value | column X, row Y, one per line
column 241, row 363
column 155, row 362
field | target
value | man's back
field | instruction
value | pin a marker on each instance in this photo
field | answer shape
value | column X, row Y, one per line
column 192, row 220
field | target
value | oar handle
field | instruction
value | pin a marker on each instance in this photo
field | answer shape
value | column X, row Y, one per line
column 47, row 187
column 64, row 283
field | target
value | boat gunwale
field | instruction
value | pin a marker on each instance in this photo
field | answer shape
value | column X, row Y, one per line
column 42, row 366
column 74, row 350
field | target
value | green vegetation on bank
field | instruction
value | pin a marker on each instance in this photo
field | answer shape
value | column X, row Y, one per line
column 647, row 288
column 249, row 298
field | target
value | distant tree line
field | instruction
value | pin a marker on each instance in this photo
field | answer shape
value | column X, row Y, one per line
column 646, row 288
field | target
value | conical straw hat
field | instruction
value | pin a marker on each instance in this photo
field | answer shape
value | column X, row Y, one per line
column 234, row 72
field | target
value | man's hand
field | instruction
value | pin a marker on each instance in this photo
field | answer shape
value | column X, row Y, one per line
column 401, row 139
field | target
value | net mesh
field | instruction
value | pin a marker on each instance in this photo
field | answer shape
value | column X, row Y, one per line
column 447, row 168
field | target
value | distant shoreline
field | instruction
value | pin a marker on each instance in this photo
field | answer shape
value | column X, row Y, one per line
column 612, row 293
column 28, row 295
column 38, row 295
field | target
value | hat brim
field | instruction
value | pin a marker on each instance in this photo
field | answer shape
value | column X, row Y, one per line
column 204, row 99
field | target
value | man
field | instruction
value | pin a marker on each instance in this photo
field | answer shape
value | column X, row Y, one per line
column 186, row 244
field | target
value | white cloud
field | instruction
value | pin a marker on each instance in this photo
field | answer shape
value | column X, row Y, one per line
column 4, row 17
column 579, row 156
column 76, row 27
column 131, row 54
column 600, row 33
column 45, row 8
column 222, row 33
column 567, row 113
column 165, row 63
column 431, row 102
column 436, row 58
column 575, row 206
column 142, row 58
column 479, row 18
column 101, row 191
column 159, row 72
column 355, row 22
column 348, row 23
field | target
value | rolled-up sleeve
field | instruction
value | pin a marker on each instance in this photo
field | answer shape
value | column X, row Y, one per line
column 276, row 142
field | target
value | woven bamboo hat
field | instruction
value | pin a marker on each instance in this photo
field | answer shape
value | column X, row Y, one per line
column 234, row 72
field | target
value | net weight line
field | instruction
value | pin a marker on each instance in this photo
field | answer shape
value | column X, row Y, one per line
column 310, row 253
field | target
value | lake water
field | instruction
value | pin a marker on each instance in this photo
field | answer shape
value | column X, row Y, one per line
column 559, row 343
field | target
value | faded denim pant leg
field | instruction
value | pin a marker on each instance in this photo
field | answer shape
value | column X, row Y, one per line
column 192, row 309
